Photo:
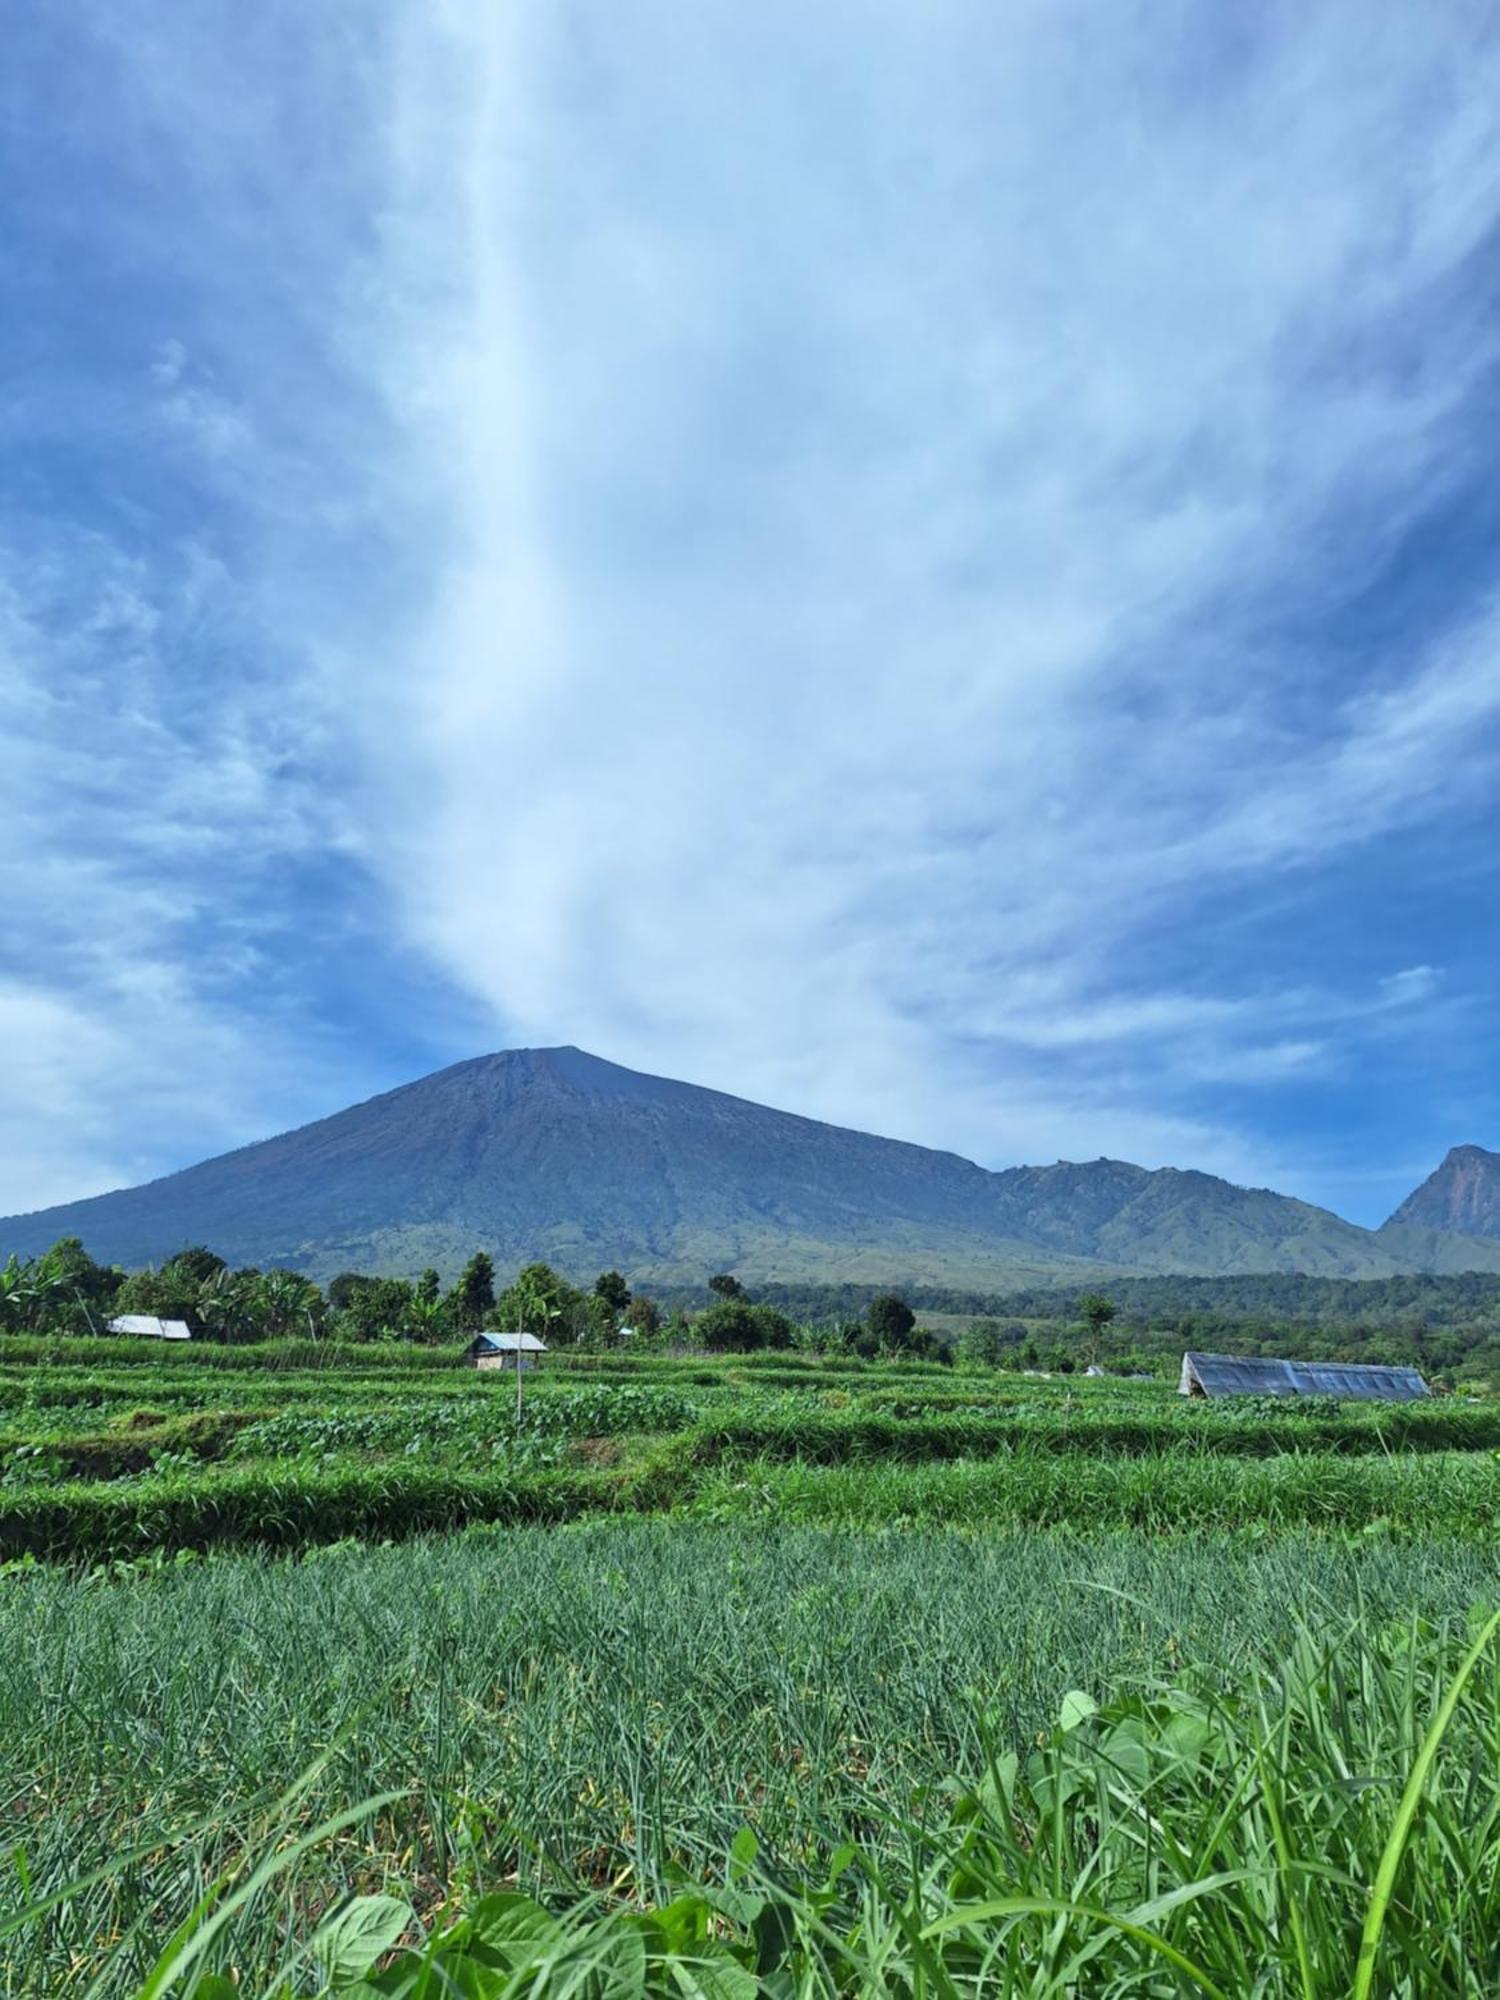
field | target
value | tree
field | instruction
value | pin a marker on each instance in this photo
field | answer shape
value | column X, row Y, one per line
column 726, row 1286
column 197, row 1263
column 67, row 1291
column 643, row 1317
column 169, row 1293
column 369, row 1308
column 982, row 1344
column 728, row 1328
column 856, row 1338
column 426, row 1316
column 614, row 1291
column 30, row 1295
column 290, row 1304
column 428, row 1287
column 229, row 1306
column 892, row 1322
column 1096, row 1312
column 734, row 1327
column 472, row 1300
column 343, row 1288
column 69, row 1261
column 776, row 1330
column 600, row 1323
column 539, row 1301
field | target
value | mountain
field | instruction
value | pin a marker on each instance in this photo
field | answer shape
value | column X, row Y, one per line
column 1462, row 1197
column 1176, row 1220
column 555, row 1154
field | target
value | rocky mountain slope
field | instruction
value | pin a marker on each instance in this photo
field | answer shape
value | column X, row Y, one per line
column 556, row 1154
column 1461, row 1198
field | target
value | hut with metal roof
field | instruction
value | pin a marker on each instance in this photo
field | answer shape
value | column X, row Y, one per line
column 146, row 1326
column 1350, row 1381
column 505, row 1350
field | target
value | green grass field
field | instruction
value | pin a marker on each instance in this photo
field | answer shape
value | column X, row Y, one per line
column 736, row 1677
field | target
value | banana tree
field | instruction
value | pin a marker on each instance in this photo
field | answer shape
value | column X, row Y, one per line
column 534, row 1297
column 27, row 1290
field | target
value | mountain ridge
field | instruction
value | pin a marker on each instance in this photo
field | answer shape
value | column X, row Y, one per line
column 558, row 1154
column 1460, row 1197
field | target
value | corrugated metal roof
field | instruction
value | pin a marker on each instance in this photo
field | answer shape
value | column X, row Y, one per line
column 1353, row 1381
column 149, row 1327
column 511, row 1343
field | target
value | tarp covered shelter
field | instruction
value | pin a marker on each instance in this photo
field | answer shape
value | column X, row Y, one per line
column 146, row 1326
column 1352, row 1381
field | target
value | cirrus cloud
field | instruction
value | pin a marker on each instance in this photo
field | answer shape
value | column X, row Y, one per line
column 918, row 567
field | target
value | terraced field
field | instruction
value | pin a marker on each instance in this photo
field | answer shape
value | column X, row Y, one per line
column 736, row 1676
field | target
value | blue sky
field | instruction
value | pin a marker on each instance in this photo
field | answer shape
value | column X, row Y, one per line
column 935, row 567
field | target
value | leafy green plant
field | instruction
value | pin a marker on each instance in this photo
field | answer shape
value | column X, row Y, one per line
column 26, row 1465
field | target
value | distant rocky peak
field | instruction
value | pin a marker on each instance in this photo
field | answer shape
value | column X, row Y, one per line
column 1462, row 1197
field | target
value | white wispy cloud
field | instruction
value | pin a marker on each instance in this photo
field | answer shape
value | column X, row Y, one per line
column 796, row 545
column 1412, row 983
column 146, row 824
column 867, row 503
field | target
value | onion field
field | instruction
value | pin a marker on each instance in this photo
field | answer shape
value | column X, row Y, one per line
column 736, row 1676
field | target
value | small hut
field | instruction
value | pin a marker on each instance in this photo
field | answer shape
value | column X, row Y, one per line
column 146, row 1326
column 505, row 1350
column 1350, row 1381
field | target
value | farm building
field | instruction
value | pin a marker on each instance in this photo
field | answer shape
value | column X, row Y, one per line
column 1353, row 1381
column 146, row 1326
column 505, row 1350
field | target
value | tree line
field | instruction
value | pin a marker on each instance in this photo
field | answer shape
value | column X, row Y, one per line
column 1469, row 1299
column 1447, row 1327
column 65, row 1291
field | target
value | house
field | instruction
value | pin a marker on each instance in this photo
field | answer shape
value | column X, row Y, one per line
column 1351, row 1381
column 146, row 1326
column 505, row 1350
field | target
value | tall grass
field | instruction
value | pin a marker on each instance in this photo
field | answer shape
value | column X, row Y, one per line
column 1036, row 1768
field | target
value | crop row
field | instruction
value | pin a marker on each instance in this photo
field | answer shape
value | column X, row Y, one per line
column 293, row 1503
column 834, row 1437
column 282, row 1506
column 477, row 1422
column 24, row 1351
column 28, row 1400
column 481, row 1425
column 586, row 1411
column 1439, row 1493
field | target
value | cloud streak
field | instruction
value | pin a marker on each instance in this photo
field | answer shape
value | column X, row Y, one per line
column 870, row 554
column 901, row 565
